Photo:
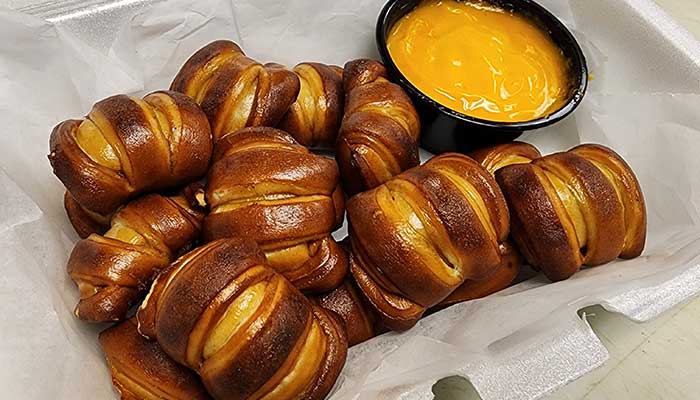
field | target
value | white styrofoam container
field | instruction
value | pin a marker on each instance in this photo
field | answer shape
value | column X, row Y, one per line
column 644, row 101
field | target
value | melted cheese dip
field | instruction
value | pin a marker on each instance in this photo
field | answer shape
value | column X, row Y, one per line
column 480, row 60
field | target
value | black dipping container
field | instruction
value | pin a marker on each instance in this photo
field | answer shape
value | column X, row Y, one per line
column 444, row 129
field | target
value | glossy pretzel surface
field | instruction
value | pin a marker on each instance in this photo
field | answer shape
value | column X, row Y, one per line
column 314, row 118
column 244, row 328
column 423, row 233
column 379, row 134
column 113, row 271
column 581, row 207
column 234, row 90
column 125, row 147
column 265, row 186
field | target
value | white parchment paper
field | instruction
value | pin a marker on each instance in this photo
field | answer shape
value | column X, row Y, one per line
column 644, row 101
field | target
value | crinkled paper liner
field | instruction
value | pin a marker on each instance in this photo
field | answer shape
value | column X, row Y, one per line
column 519, row 344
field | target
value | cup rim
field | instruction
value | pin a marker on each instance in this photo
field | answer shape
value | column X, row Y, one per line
column 579, row 70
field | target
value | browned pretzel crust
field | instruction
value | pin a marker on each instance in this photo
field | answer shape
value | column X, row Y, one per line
column 235, row 91
column 124, row 147
column 501, row 278
column 420, row 235
column 265, row 186
column 314, row 118
column 142, row 371
column 581, row 207
column 492, row 159
column 243, row 327
column 348, row 302
column 115, row 270
column 379, row 134
column 496, row 157
column 84, row 221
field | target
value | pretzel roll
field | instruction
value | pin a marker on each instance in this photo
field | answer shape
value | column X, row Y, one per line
column 126, row 146
column 496, row 157
column 142, row 371
column 265, row 186
column 346, row 301
column 501, row 278
column 420, row 235
column 113, row 271
column 581, row 207
column 378, row 137
column 235, row 91
column 314, row 118
column 244, row 328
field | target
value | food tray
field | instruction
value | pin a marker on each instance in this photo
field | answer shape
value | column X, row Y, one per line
column 527, row 341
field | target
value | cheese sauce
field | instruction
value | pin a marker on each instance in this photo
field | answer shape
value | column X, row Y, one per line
column 480, row 60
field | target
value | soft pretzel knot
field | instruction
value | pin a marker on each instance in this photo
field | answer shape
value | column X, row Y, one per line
column 314, row 118
column 113, row 271
column 265, row 186
column 127, row 146
column 379, row 134
column 581, row 207
column 423, row 233
column 235, row 91
column 142, row 371
column 496, row 157
column 244, row 328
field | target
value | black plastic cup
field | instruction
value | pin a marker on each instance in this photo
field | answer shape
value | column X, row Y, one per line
column 444, row 129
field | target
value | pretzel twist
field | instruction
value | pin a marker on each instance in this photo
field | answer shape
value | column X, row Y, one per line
column 265, row 186
column 244, row 328
column 113, row 271
column 379, row 133
column 581, row 207
column 420, row 235
column 124, row 147
column 235, row 91
column 142, row 371
column 314, row 118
